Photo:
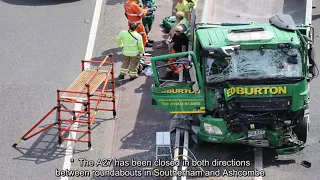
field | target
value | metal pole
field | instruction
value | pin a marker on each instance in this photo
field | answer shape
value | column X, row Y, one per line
column 185, row 152
column 176, row 151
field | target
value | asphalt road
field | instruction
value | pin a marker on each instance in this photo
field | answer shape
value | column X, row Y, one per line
column 42, row 44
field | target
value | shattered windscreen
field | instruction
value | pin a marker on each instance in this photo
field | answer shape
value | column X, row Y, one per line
column 254, row 64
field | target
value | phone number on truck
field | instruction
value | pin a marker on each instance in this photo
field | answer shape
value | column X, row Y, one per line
column 184, row 103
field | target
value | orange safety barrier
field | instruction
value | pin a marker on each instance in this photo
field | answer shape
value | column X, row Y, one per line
column 85, row 91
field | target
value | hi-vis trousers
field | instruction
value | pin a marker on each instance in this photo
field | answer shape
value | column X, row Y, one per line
column 130, row 64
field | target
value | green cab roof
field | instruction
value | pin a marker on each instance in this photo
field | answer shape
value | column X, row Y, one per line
column 217, row 36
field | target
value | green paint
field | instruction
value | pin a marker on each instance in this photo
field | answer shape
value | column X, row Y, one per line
column 258, row 91
column 217, row 36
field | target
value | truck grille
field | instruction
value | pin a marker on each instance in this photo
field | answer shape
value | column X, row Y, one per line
column 259, row 104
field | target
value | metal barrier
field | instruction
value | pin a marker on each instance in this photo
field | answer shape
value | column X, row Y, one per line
column 83, row 91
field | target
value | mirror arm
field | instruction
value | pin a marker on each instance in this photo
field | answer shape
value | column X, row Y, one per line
column 191, row 84
column 170, row 64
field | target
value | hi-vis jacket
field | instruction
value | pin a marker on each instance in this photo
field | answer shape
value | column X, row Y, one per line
column 131, row 43
column 134, row 12
column 192, row 3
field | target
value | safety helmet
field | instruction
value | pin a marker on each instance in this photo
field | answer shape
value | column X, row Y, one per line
column 133, row 25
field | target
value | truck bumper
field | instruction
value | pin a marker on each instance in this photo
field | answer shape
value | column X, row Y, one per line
column 241, row 139
column 289, row 150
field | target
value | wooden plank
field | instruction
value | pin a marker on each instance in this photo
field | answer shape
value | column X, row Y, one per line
column 79, row 84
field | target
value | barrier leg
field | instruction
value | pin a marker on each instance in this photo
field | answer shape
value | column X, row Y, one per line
column 24, row 137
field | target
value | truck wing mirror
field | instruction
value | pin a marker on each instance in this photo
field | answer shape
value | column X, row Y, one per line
column 307, row 39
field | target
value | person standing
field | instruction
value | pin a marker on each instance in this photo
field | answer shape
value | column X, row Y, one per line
column 132, row 45
column 148, row 20
column 134, row 13
column 183, row 6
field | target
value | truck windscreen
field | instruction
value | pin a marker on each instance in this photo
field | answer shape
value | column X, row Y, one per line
column 254, row 64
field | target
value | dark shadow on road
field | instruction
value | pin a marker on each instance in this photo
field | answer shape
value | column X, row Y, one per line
column 149, row 120
column 44, row 149
column 270, row 159
column 117, row 54
column 315, row 17
column 98, row 121
column 144, row 87
column 121, row 82
column 38, row 2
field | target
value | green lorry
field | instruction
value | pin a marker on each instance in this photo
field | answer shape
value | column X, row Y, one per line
column 246, row 77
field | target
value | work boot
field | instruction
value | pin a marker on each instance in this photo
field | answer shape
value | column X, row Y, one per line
column 121, row 76
column 148, row 44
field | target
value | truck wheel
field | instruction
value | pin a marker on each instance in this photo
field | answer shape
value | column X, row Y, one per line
column 301, row 129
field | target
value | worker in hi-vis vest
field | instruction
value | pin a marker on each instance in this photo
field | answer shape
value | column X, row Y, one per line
column 192, row 4
column 132, row 45
column 134, row 13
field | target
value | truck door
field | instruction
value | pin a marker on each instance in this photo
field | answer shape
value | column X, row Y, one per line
column 180, row 92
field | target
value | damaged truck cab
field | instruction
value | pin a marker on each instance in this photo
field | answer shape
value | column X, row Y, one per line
column 242, row 83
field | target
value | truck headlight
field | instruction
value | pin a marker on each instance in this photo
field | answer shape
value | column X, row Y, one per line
column 212, row 129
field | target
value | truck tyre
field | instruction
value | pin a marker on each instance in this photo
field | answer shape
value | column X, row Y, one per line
column 301, row 129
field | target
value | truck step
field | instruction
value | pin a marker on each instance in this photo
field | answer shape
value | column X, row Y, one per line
column 195, row 129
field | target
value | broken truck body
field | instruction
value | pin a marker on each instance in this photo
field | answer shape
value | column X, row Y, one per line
column 244, row 82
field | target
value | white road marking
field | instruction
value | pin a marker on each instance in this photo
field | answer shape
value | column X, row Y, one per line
column 258, row 161
column 88, row 56
column 70, row 144
column 93, row 32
